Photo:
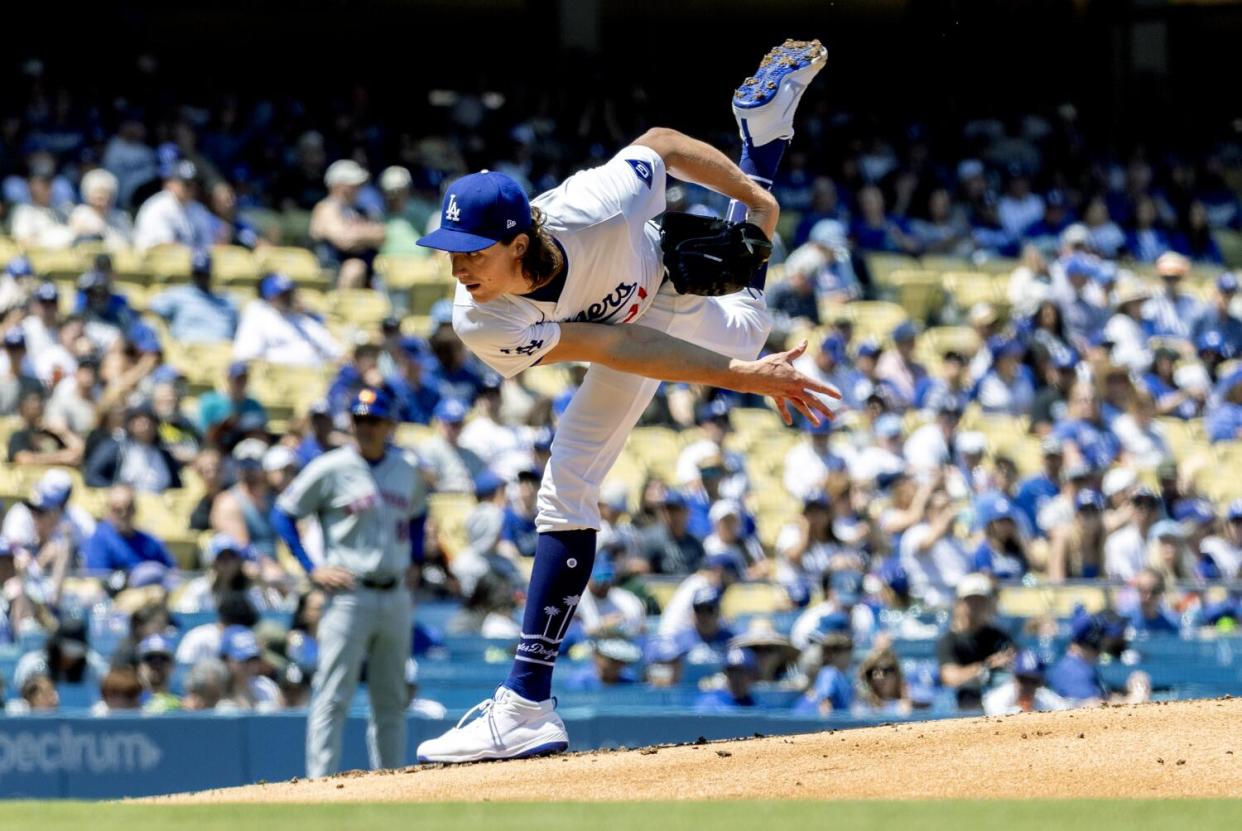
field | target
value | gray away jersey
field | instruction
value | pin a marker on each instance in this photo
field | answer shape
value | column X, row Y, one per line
column 364, row 511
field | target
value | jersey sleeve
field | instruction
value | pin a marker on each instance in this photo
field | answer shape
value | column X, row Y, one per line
column 307, row 492
column 504, row 335
column 631, row 183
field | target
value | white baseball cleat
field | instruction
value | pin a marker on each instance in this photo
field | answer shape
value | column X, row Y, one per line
column 764, row 105
column 507, row 727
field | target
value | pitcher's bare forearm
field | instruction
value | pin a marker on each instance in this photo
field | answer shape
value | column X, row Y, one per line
column 697, row 162
column 642, row 351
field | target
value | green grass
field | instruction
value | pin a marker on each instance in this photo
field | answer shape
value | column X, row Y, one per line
column 1066, row 815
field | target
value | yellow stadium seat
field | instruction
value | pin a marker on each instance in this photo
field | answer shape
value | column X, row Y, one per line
column 168, row 263
column 746, row 419
column 753, row 599
column 412, row 435
column 404, row 271
column 449, row 512
column 966, row 288
column 874, row 318
column 998, row 265
column 233, row 265
column 548, row 380
column 881, row 266
column 364, row 308
column 54, row 262
column 298, row 263
column 1035, row 601
column 656, row 447
column 922, row 297
column 8, row 250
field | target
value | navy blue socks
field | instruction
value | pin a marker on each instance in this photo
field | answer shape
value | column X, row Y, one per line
column 563, row 562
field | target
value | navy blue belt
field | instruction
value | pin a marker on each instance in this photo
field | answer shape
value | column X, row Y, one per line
column 379, row 584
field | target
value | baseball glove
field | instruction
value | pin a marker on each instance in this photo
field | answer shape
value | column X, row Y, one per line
column 709, row 256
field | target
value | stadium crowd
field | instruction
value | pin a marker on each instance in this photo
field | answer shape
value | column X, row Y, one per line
column 907, row 515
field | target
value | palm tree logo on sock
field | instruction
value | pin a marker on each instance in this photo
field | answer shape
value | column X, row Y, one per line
column 571, row 603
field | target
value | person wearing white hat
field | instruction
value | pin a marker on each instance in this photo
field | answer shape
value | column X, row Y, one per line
column 174, row 215
column 1172, row 313
column 1124, row 329
column 345, row 239
column 974, row 646
column 405, row 215
column 727, row 538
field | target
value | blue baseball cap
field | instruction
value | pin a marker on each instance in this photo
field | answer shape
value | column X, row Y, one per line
column 1227, row 282
column 146, row 573
column 486, row 484
column 200, row 262
column 220, row 543
column 905, row 331
column 237, row 369
column 450, row 411
column 478, row 211
column 155, row 645
column 1080, row 265
column 1092, row 630
column 1212, row 341
column 47, row 292
column 706, row 597
column 274, row 284
column 603, row 572
column 724, row 561
column 1198, row 511
column 543, row 438
column 868, row 349
column 833, row 345
column 19, row 267
column 664, row 650
column 888, row 426
column 991, row 507
column 739, row 658
column 1234, row 511
column 238, row 643
column 1088, row 498
column 372, row 403
column 1006, row 348
column 674, row 498
column 441, row 311
column 893, row 574
column 1065, row 358
column 715, row 410
column 14, row 338
column 1026, row 664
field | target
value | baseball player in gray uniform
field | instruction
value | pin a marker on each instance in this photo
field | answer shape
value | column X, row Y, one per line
column 370, row 501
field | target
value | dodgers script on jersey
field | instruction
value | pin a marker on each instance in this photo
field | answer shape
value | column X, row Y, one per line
column 602, row 218
column 364, row 510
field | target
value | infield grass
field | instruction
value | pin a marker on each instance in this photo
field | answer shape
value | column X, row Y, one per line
column 1062, row 815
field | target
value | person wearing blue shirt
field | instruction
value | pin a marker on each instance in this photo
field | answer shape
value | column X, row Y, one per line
column 1146, row 240
column 518, row 528
column 952, row 382
column 1172, row 313
column 832, row 691
column 1002, row 551
column 1034, row 492
column 741, row 671
column 362, row 371
column 1223, row 420
column 1009, row 386
column 1217, row 317
column 195, row 313
column 1150, row 615
column 1085, row 429
column 1076, row 676
column 612, row 666
column 116, row 544
column 875, row 230
column 225, row 412
column 453, row 372
column 415, row 397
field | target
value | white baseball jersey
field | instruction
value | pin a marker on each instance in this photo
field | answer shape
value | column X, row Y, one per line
column 614, row 268
column 364, row 509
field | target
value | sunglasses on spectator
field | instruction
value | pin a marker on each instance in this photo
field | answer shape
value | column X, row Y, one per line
column 121, row 510
column 880, row 672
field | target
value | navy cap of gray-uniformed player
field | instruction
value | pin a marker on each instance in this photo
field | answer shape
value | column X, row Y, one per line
column 372, row 403
column 480, row 210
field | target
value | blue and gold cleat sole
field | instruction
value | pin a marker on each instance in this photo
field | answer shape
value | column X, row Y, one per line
column 789, row 61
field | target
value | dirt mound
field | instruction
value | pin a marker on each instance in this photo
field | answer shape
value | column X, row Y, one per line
column 1183, row 749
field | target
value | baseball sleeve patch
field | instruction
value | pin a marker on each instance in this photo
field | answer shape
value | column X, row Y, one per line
column 642, row 170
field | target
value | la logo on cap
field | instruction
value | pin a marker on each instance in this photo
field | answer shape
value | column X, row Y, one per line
column 452, row 213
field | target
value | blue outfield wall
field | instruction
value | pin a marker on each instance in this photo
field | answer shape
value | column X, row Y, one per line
column 125, row 756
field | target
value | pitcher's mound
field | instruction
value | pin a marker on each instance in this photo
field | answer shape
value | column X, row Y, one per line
column 1182, row 749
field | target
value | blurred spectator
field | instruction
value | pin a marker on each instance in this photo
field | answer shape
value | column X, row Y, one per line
column 741, row 672
column 930, row 553
column 119, row 691
column 929, row 447
column 226, row 227
column 275, row 329
column 225, row 416
column 1171, row 313
column 301, row 642
column 65, row 658
column 233, row 608
column 881, row 683
column 174, row 214
column 1196, row 240
column 1103, row 234
column 194, row 312
column 793, row 301
column 808, row 463
column 519, row 532
column 1125, row 550
column 973, row 647
column 116, row 544
column 106, row 313
column 17, row 283
column 420, row 707
column 230, row 568
column 607, row 610
column 1225, row 549
column 1008, row 387
column 155, row 664
column 831, row 689
column 1001, row 554
column 875, row 230
column 1026, row 693
column 129, row 159
column 38, row 223
column 1167, row 551
column 666, row 544
column 1218, row 317
column 1076, row 549
column 321, row 434
column 504, row 448
column 248, row 688
column 17, row 379
column 943, row 229
column 405, row 217
column 454, row 467
column 137, row 457
column 1223, row 420
column 707, row 459
column 175, row 429
column 416, row 396
column 482, row 555
column 454, row 373
column 1142, row 438
column 1083, row 433
column 715, row 573
column 72, row 405
column 48, row 504
column 1151, row 615
column 205, row 685
column 241, row 512
column 98, row 219
column 37, row 442
column 1030, row 284
column 1076, row 677
column 488, row 609
column 301, row 185
column 38, row 696
column 809, row 547
column 898, row 367
column 612, row 660
column 1146, row 240
column 209, row 468
column 346, row 240
column 727, row 539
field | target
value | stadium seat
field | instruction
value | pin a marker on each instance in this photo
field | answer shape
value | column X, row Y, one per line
column 233, row 265
column 874, row 318
column 882, row 266
column 298, row 263
column 364, row 308
column 449, row 512
column 168, row 263
column 52, row 263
